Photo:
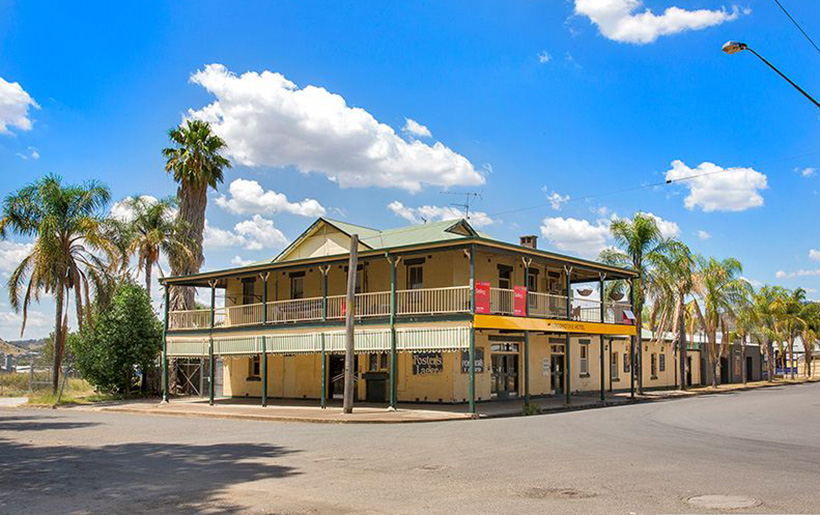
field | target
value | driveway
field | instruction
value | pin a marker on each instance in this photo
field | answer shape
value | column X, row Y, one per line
column 645, row 458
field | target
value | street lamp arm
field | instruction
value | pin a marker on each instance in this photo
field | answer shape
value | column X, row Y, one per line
column 770, row 65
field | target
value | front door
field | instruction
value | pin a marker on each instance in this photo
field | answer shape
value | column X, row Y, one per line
column 336, row 376
column 750, row 367
column 688, row 371
column 557, row 373
column 504, row 376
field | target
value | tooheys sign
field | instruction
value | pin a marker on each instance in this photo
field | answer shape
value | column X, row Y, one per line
column 427, row 363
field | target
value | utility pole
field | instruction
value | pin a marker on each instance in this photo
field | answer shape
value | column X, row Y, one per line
column 350, row 307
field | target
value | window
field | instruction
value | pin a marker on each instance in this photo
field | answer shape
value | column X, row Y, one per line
column 663, row 362
column 627, row 363
column 385, row 360
column 415, row 277
column 654, row 367
column 505, row 277
column 504, row 347
column 584, row 361
column 373, row 362
column 532, row 281
column 297, row 285
column 253, row 366
column 247, row 291
column 614, row 365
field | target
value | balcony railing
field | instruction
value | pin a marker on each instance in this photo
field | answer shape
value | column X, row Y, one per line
column 428, row 301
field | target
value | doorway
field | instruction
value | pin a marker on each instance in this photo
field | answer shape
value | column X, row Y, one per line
column 724, row 371
column 504, row 376
column 750, row 369
column 689, row 371
column 336, row 376
column 557, row 373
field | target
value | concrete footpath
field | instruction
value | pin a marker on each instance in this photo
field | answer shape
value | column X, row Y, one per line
column 284, row 410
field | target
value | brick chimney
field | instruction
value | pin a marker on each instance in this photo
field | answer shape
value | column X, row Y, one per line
column 530, row 241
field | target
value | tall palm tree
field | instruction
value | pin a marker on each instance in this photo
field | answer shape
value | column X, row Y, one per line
column 156, row 231
column 640, row 246
column 810, row 334
column 195, row 159
column 763, row 304
column 720, row 289
column 65, row 222
column 672, row 285
column 791, row 314
column 746, row 326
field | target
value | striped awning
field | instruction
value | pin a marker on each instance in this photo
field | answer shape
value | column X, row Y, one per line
column 365, row 341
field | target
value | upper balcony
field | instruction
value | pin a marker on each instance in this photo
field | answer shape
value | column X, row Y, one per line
column 409, row 303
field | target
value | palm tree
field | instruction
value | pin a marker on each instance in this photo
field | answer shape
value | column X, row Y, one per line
column 763, row 304
column 672, row 285
column 640, row 246
column 790, row 314
column 195, row 159
column 746, row 326
column 66, row 225
column 155, row 231
column 810, row 334
column 720, row 289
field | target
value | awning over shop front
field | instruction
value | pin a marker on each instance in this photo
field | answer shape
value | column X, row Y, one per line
column 547, row 325
column 365, row 341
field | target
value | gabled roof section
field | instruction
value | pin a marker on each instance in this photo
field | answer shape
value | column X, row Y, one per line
column 335, row 236
column 421, row 234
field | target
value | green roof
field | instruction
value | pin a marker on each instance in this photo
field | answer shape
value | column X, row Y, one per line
column 411, row 235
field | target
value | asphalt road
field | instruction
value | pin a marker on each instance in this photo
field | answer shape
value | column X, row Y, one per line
column 646, row 458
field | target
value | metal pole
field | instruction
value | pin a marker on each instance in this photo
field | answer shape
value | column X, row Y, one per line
column 798, row 88
column 471, row 393
column 264, row 278
column 349, row 314
column 567, row 343
column 394, row 359
column 632, row 345
column 526, row 368
column 211, row 366
column 323, row 384
column 603, row 366
column 165, row 347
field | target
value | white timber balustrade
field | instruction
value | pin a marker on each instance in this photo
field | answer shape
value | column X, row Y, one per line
column 190, row 319
column 586, row 310
column 547, row 305
column 432, row 301
column 502, row 301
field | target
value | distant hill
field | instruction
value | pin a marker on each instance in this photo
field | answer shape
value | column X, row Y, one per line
column 28, row 345
column 8, row 348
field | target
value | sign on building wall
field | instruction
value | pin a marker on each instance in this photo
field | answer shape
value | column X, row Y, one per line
column 482, row 298
column 427, row 363
column 545, row 367
column 520, row 301
column 479, row 361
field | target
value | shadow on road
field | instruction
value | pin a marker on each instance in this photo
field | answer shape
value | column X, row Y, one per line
column 133, row 477
column 23, row 423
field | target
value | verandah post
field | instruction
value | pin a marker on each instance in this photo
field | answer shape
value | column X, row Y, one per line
column 164, row 347
column 527, row 262
column 211, row 365
column 394, row 359
column 323, row 385
column 632, row 345
column 264, row 277
column 567, row 342
column 603, row 366
column 471, row 393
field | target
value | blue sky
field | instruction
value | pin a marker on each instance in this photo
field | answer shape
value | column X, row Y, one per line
column 530, row 103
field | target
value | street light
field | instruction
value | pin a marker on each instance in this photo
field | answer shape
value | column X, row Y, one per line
column 733, row 47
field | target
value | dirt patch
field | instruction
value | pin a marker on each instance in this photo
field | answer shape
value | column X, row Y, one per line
column 555, row 493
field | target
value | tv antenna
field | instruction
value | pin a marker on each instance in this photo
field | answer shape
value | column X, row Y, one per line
column 469, row 196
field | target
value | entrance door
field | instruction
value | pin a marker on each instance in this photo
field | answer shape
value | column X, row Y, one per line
column 724, row 371
column 750, row 368
column 505, row 376
column 689, row 371
column 336, row 376
column 557, row 373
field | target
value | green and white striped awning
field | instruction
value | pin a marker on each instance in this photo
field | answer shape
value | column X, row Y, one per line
column 365, row 341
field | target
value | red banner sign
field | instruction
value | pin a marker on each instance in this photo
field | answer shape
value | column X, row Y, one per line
column 520, row 301
column 482, row 298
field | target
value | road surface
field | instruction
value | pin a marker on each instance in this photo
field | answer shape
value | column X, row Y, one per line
column 647, row 458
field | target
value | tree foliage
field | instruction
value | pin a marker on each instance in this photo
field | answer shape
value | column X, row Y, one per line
column 126, row 338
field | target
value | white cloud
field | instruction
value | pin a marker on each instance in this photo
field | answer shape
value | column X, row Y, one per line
column 31, row 153
column 14, row 106
column 576, row 236
column 806, row 172
column 713, row 188
column 814, row 254
column 421, row 214
column 555, row 199
column 268, row 120
column 38, row 324
column 544, row 57
column 703, row 235
column 255, row 234
column 414, row 128
column 238, row 261
column 123, row 212
column 668, row 229
column 618, row 20
column 11, row 254
column 753, row 282
column 249, row 197
column 781, row 274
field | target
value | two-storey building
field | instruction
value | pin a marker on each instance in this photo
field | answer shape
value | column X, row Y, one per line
column 443, row 314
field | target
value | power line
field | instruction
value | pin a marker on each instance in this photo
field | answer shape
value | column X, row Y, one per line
column 797, row 25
